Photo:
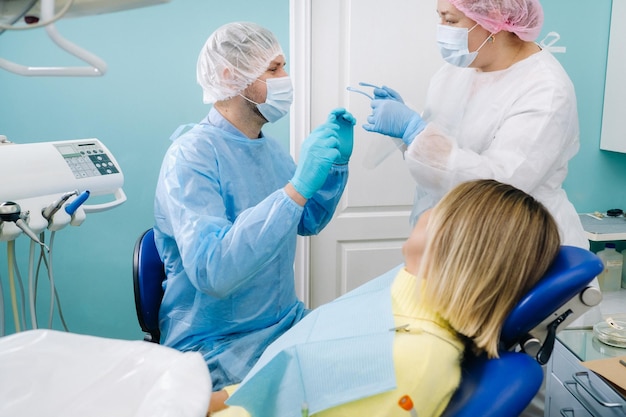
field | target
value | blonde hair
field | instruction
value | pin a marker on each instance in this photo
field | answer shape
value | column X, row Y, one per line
column 488, row 244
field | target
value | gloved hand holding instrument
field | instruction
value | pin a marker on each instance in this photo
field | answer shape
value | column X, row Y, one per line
column 395, row 119
column 392, row 117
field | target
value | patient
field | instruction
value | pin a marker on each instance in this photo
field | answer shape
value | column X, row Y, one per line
column 403, row 335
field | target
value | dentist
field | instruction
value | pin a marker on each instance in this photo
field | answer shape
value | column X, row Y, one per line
column 230, row 202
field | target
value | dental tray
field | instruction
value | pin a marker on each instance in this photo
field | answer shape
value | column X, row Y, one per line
column 612, row 335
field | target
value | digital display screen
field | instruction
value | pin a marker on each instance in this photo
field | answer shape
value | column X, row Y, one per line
column 66, row 150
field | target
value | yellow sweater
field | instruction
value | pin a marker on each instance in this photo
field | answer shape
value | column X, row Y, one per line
column 427, row 357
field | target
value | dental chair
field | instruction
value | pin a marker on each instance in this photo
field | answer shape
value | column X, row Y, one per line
column 148, row 277
column 501, row 387
column 504, row 387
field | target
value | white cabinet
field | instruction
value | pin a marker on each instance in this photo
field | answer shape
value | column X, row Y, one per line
column 613, row 134
column 575, row 391
column 572, row 390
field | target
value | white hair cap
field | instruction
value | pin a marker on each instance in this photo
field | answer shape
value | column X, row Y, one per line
column 233, row 57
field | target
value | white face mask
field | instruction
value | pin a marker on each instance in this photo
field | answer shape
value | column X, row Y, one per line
column 454, row 46
column 278, row 99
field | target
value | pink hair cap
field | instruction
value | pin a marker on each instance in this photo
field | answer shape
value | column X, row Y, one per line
column 522, row 17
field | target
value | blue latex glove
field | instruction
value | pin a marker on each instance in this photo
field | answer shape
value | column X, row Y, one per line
column 395, row 119
column 387, row 93
column 318, row 153
column 342, row 118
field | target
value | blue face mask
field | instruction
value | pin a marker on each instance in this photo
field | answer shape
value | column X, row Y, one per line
column 454, row 46
column 278, row 100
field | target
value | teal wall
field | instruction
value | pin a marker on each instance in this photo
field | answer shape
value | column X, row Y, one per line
column 597, row 179
column 150, row 89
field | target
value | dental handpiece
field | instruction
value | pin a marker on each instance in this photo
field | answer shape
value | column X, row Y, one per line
column 77, row 202
column 12, row 212
column 28, row 232
column 49, row 211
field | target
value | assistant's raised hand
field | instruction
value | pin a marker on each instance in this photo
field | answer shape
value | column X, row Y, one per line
column 394, row 118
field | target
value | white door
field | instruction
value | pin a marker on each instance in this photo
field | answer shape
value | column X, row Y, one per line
column 335, row 44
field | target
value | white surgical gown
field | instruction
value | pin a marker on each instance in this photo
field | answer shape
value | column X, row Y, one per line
column 518, row 126
column 226, row 231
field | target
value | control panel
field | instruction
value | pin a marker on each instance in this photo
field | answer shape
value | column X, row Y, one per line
column 87, row 159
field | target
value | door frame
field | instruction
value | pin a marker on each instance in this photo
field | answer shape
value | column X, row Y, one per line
column 300, row 120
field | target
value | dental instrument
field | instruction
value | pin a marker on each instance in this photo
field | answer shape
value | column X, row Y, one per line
column 378, row 150
column 356, row 90
column 49, row 211
column 11, row 212
column 77, row 202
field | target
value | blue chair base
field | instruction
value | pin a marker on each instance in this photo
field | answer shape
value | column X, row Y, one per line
column 501, row 387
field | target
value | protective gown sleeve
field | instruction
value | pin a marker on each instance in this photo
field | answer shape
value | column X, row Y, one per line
column 209, row 243
column 320, row 208
column 534, row 137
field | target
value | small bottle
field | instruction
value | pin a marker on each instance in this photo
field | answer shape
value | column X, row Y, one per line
column 610, row 279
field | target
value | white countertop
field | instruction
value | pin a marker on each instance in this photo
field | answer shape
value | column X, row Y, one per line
column 613, row 302
column 602, row 229
column 581, row 340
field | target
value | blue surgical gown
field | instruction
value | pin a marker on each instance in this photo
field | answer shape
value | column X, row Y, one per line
column 226, row 232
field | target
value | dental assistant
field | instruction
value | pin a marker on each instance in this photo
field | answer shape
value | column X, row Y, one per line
column 230, row 202
column 501, row 107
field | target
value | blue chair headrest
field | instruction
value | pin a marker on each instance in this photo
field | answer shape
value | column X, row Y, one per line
column 572, row 270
